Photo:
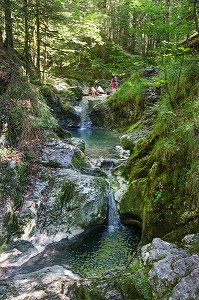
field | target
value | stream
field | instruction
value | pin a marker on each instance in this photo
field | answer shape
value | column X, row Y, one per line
column 98, row 142
column 103, row 247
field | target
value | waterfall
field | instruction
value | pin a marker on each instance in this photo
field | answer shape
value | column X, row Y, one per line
column 113, row 216
column 85, row 118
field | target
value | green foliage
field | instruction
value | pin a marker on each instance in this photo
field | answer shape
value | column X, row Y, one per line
column 23, row 108
column 12, row 226
column 139, row 279
column 130, row 93
column 79, row 159
column 195, row 247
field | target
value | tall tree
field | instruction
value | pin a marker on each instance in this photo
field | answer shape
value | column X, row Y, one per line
column 38, row 27
column 26, row 25
column 8, row 24
column 196, row 14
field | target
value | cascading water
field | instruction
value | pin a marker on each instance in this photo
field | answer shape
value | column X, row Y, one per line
column 85, row 118
column 112, row 216
column 102, row 248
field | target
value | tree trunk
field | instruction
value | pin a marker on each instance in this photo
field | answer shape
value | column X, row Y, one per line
column 38, row 62
column 1, row 37
column 45, row 53
column 167, row 17
column 27, row 48
column 196, row 15
column 8, row 24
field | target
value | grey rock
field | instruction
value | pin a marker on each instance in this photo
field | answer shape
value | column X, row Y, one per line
column 49, row 283
column 187, row 288
column 189, row 239
column 173, row 272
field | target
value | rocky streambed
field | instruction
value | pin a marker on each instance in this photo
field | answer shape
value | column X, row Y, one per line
column 66, row 194
column 160, row 271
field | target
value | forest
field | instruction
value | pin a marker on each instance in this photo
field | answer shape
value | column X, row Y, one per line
column 99, row 193
column 96, row 37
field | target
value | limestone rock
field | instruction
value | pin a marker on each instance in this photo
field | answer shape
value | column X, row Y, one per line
column 173, row 272
column 60, row 202
column 49, row 283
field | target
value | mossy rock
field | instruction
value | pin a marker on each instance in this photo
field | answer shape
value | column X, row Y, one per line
column 132, row 202
column 112, row 285
column 79, row 160
column 12, row 227
column 62, row 133
column 101, row 114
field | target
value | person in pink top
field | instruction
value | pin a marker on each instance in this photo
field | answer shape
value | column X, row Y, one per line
column 114, row 83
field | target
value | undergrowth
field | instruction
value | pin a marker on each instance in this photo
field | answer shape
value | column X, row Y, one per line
column 24, row 112
column 177, row 128
column 130, row 92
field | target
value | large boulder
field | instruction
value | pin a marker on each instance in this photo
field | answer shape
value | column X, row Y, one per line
column 49, row 283
column 100, row 113
column 173, row 273
column 58, row 201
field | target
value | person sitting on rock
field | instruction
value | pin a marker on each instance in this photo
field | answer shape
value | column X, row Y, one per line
column 100, row 90
column 94, row 91
column 96, row 84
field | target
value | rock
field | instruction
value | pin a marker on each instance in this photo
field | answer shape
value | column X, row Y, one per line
column 100, row 113
column 129, row 141
column 150, row 71
column 78, row 143
column 58, row 153
column 106, row 164
column 68, row 117
column 115, row 286
column 122, row 154
column 61, row 202
column 173, row 272
column 189, row 239
column 49, row 283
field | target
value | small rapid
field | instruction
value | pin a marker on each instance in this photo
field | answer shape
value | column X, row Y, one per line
column 113, row 218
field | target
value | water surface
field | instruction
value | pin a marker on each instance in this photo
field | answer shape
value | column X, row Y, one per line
column 101, row 249
column 98, row 142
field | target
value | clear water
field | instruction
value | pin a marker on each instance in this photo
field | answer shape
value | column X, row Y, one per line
column 98, row 142
column 103, row 248
column 92, row 254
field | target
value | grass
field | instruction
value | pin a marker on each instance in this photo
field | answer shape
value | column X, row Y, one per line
column 177, row 129
column 131, row 91
column 195, row 247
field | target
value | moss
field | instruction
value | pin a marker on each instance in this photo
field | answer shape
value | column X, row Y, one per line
column 12, row 226
column 195, row 247
column 133, row 200
column 62, row 133
column 52, row 164
column 13, row 181
column 67, row 193
column 141, row 168
column 140, row 159
column 116, row 281
column 79, row 159
column 45, row 175
column 139, row 279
